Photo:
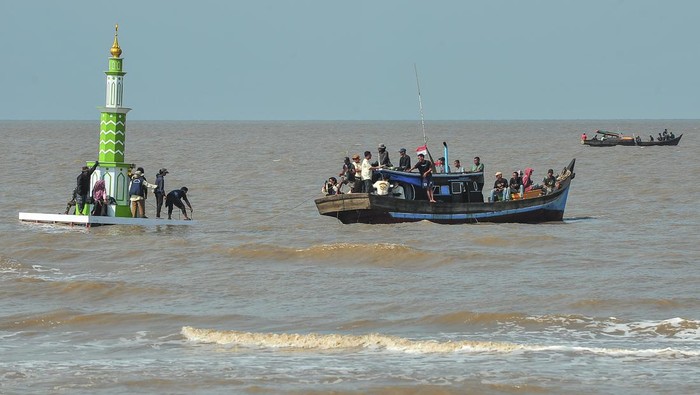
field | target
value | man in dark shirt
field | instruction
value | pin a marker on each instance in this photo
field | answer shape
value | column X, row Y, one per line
column 383, row 156
column 500, row 188
column 175, row 198
column 549, row 182
column 426, row 171
column 404, row 160
column 160, row 190
column 82, row 190
column 515, row 185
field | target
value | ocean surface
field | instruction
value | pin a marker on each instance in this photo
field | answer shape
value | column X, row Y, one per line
column 265, row 296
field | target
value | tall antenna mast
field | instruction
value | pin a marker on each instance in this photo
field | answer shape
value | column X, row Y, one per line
column 420, row 105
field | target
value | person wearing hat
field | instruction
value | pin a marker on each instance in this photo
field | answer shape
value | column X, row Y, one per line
column 383, row 156
column 175, row 198
column 404, row 160
column 160, row 190
column 500, row 188
column 83, row 188
column 137, row 194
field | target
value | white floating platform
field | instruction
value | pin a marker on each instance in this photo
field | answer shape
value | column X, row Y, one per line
column 88, row 221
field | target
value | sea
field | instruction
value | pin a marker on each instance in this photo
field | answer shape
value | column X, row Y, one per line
column 262, row 295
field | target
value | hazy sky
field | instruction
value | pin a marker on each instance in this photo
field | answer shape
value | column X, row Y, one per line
column 353, row 59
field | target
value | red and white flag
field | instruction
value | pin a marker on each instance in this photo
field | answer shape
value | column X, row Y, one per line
column 423, row 149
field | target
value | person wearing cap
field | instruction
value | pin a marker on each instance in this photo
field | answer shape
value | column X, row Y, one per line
column 83, row 188
column 426, row 172
column 500, row 188
column 549, row 182
column 404, row 160
column 383, row 156
column 137, row 194
column 160, row 190
column 175, row 198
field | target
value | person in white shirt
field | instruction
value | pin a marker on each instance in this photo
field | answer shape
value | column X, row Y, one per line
column 366, row 173
column 458, row 167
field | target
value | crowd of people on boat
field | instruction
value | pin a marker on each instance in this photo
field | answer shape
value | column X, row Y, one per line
column 664, row 136
column 359, row 177
column 138, row 193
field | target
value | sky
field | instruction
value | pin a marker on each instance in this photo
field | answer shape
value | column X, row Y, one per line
column 353, row 60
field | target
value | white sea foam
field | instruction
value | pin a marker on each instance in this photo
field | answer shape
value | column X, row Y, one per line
column 375, row 341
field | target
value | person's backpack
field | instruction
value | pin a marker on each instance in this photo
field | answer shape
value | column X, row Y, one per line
column 136, row 187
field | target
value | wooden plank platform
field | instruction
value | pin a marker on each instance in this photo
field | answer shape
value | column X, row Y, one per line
column 86, row 220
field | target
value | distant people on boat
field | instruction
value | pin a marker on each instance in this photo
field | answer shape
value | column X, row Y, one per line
column 404, row 160
column 83, row 188
column 100, row 200
column 671, row 136
column 457, row 167
column 660, row 138
column 384, row 156
column 478, row 167
column 651, row 138
column 638, row 139
column 583, row 137
column 137, row 194
column 356, row 186
column 549, row 182
column 500, row 188
column 440, row 165
column 425, row 168
column 527, row 179
column 160, row 190
column 665, row 134
column 331, row 187
column 515, row 186
column 381, row 187
column 175, row 198
column 366, row 170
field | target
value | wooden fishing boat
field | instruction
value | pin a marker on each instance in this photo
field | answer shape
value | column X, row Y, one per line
column 673, row 141
column 458, row 202
column 604, row 138
column 609, row 139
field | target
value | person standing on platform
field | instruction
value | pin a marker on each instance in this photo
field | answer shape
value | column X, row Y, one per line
column 160, row 190
column 175, row 198
column 100, row 200
column 83, row 188
column 137, row 193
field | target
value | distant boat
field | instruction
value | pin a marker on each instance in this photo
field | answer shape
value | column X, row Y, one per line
column 603, row 138
column 458, row 202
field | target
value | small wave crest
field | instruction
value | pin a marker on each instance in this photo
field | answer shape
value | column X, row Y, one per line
column 313, row 341
column 379, row 342
column 373, row 253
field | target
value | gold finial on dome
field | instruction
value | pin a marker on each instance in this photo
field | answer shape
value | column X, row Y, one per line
column 115, row 50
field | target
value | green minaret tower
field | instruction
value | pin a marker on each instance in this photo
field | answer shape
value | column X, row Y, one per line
column 112, row 149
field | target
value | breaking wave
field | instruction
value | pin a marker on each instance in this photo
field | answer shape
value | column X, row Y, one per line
column 379, row 342
column 313, row 341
